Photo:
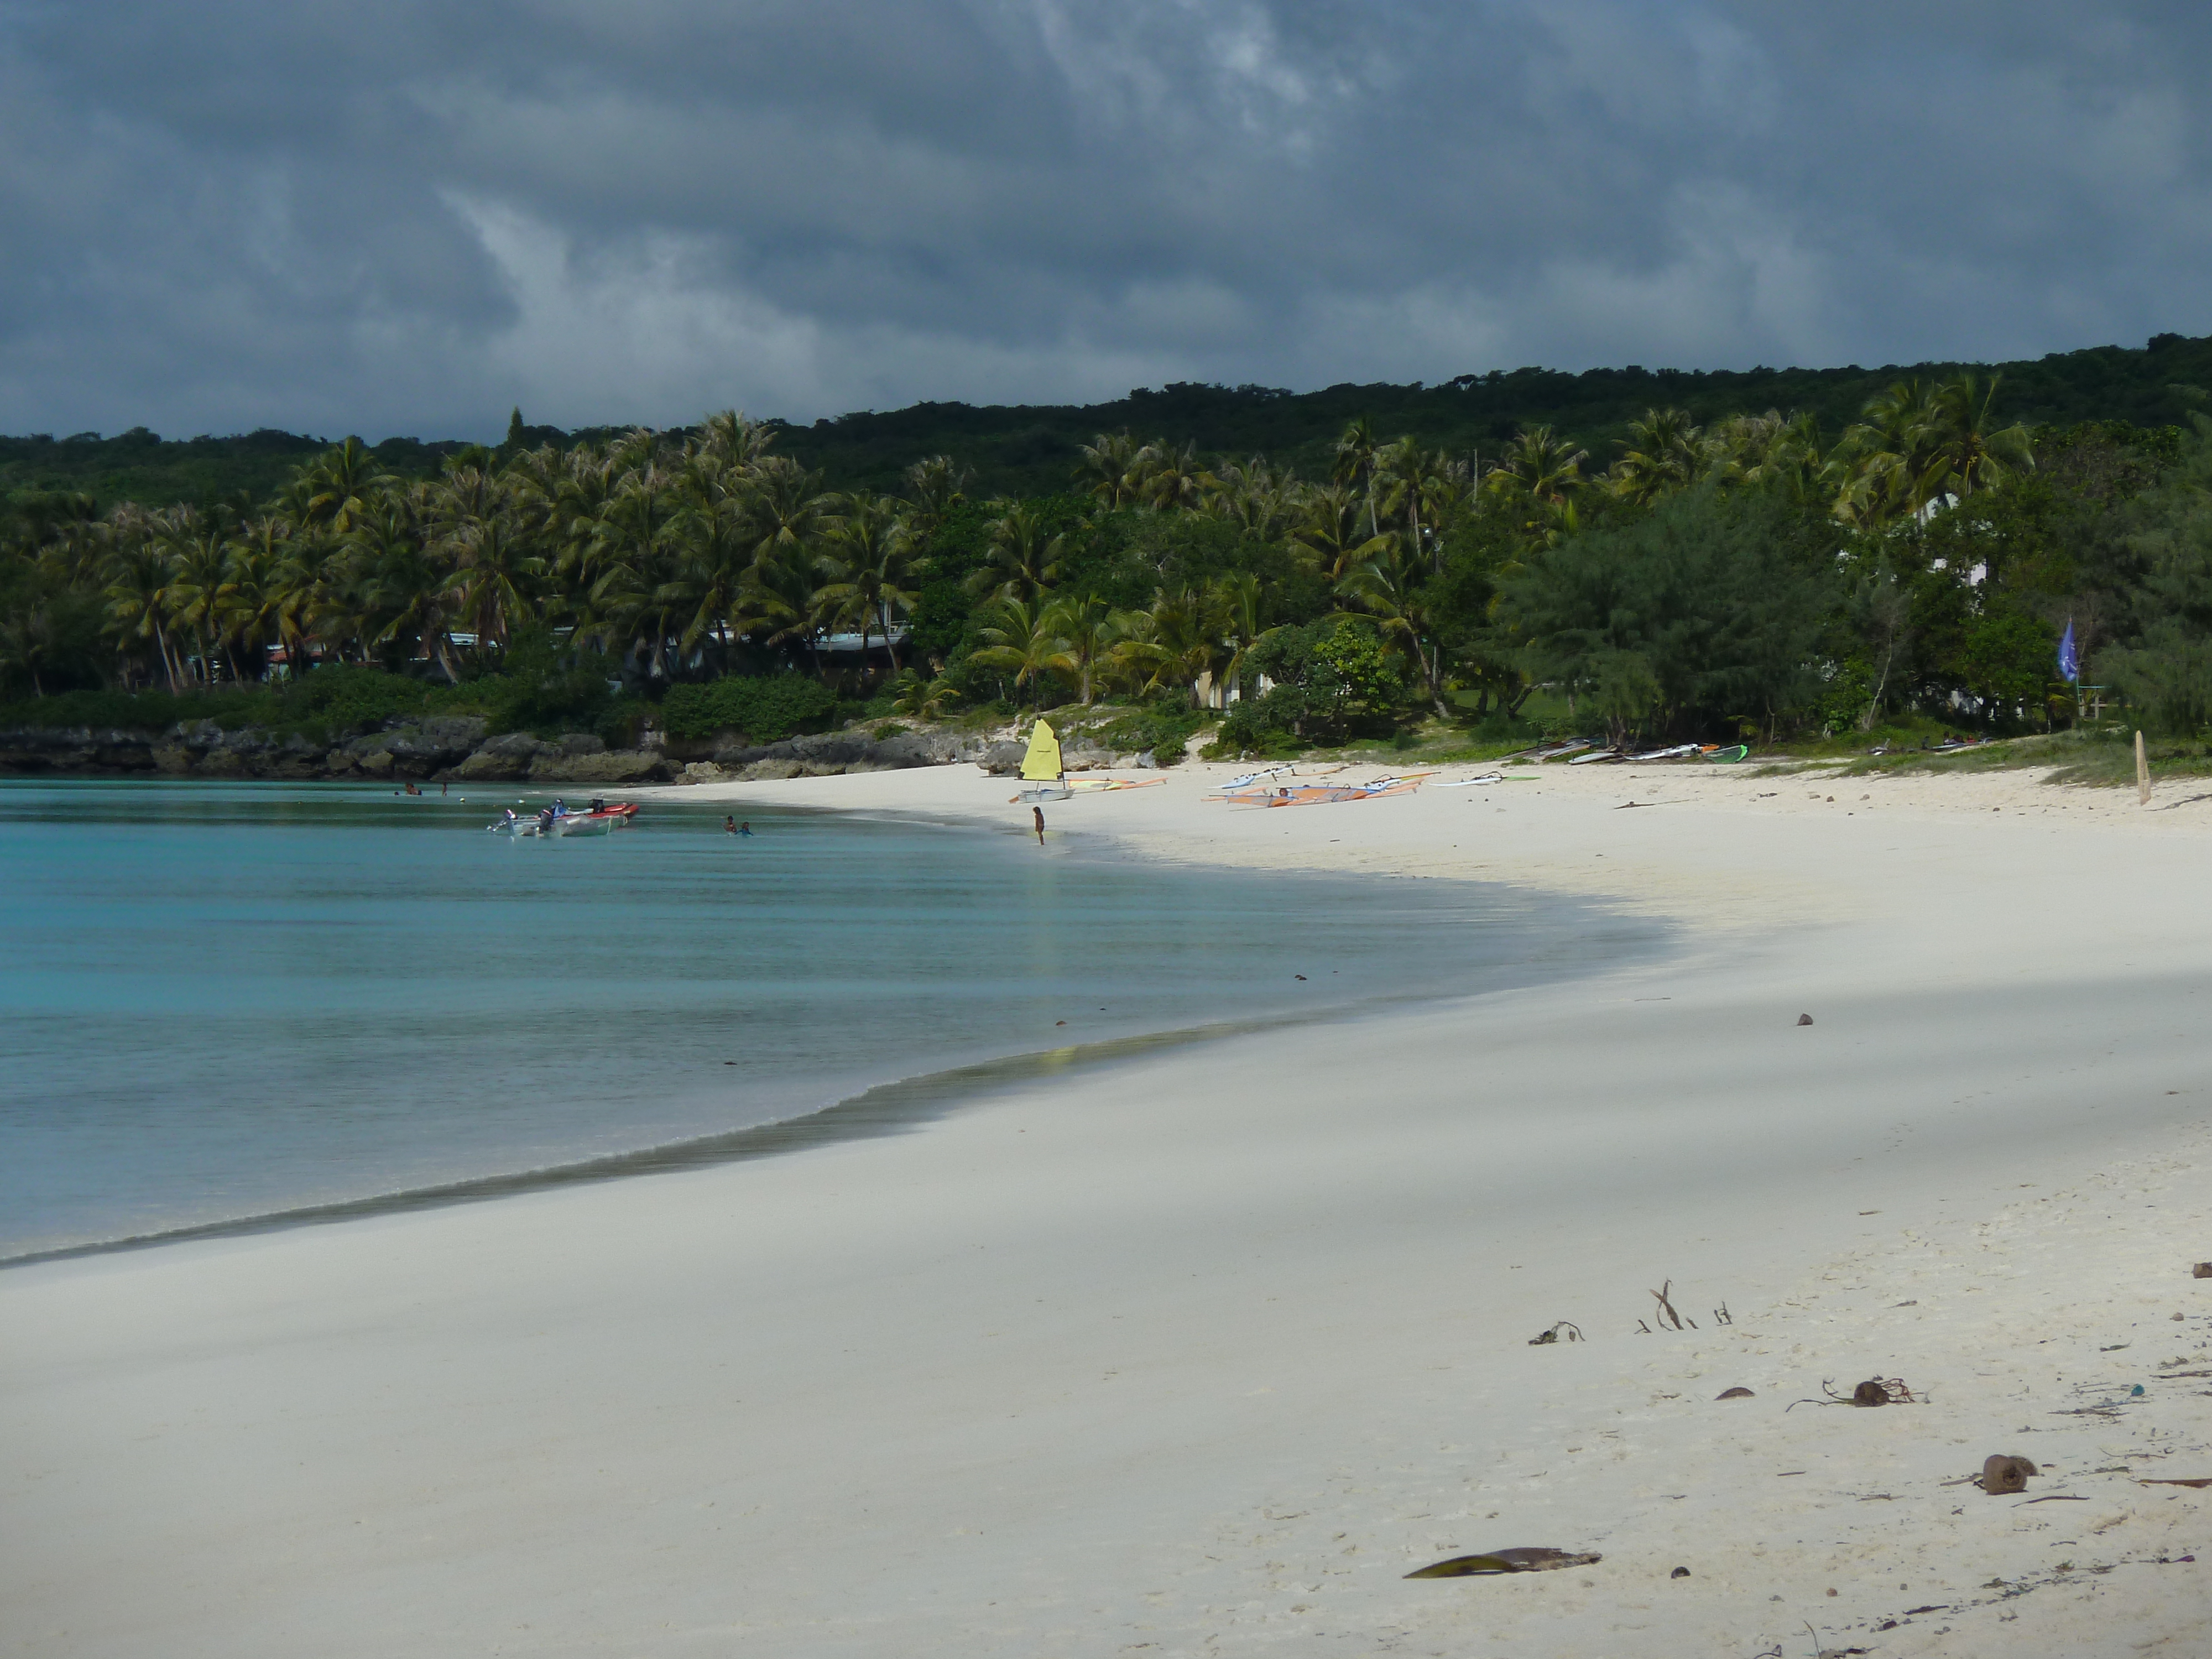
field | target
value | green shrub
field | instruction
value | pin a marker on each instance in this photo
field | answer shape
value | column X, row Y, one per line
column 340, row 699
column 1265, row 726
column 763, row 710
column 345, row 699
column 625, row 717
column 1160, row 730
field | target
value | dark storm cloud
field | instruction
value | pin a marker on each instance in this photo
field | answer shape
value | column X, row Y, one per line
column 407, row 217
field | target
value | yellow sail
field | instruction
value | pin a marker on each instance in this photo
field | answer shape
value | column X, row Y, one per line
column 1041, row 764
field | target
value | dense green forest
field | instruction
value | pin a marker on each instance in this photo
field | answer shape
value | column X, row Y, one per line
column 1768, row 555
column 1030, row 451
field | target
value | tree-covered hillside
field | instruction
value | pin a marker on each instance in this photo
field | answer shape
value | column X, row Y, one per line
column 1030, row 450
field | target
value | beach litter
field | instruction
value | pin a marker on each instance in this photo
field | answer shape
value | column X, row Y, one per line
column 1574, row 1334
column 2201, row 1270
column 1668, row 1318
column 1875, row 1391
column 2001, row 1474
column 1804, row 1020
column 1519, row 1558
column 1734, row 1394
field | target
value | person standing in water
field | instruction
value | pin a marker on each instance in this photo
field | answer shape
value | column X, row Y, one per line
column 1039, row 811
column 746, row 827
column 729, row 824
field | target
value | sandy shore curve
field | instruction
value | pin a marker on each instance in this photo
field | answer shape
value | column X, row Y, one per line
column 1201, row 1353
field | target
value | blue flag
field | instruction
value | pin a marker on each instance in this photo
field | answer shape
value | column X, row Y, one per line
column 2070, row 664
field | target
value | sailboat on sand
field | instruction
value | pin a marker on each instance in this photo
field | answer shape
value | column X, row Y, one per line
column 1044, row 775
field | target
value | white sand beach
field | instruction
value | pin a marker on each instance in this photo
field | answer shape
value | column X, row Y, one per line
column 1200, row 1354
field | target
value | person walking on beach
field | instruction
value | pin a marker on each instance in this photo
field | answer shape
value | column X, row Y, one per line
column 1039, row 811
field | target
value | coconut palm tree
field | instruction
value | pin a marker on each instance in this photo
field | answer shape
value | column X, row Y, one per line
column 869, row 556
column 1254, row 497
column 252, row 595
column 1171, row 645
column 1538, row 469
column 1174, row 479
column 197, row 559
column 711, row 550
column 1109, row 470
column 1023, row 638
column 1393, row 588
column 1972, row 453
column 730, row 440
column 1354, row 454
column 782, row 600
column 1238, row 605
column 136, row 591
column 1024, row 559
column 1329, row 531
column 339, row 486
column 1419, row 486
column 65, row 526
column 1665, row 451
column 1895, row 466
column 1088, row 630
column 925, row 700
column 411, row 591
column 790, row 511
column 494, row 577
column 1777, row 450
column 935, row 485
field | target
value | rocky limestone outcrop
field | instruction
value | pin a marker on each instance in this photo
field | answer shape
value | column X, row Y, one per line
column 576, row 757
column 34, row 749
column 827, row 753
column 457, row 748
column 420, row 749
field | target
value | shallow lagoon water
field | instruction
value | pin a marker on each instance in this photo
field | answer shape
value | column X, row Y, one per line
column 230, row 1000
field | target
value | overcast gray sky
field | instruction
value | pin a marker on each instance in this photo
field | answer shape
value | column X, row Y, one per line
column 406, row 217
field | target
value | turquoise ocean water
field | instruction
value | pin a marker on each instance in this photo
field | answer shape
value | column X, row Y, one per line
column 222, row 1001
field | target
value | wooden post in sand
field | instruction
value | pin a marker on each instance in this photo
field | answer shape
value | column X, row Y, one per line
column 2142, row 773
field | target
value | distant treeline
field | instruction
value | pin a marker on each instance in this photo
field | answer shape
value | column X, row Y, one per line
column 1028, row 450
column 1712, row 571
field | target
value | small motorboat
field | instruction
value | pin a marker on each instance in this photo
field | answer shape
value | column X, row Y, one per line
column 556, row 820
column 598, row 819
